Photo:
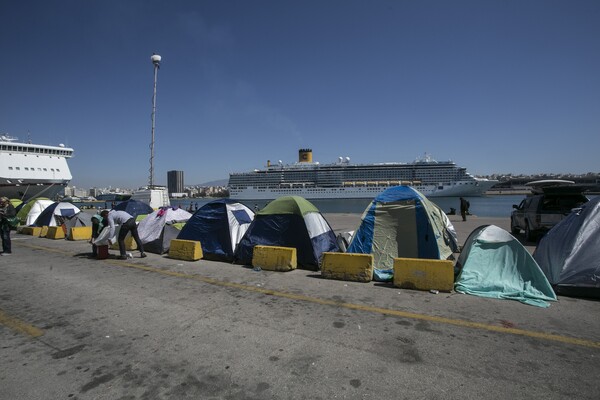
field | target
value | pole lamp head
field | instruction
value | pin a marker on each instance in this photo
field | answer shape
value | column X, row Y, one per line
column 156, row 59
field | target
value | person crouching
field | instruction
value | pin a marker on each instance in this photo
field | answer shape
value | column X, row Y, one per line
column 127, row 222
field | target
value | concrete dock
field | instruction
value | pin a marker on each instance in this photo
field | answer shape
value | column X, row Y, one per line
column 74, row 327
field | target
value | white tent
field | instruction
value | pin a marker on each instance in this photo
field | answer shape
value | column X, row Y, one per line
column 31, row 212
column 159, row 228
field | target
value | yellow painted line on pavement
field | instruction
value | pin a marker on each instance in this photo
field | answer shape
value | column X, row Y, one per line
column 358, row 307
column 20, row 326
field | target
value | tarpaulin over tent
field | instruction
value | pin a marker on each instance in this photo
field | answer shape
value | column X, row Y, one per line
column 402, row 222
column 160, row 227
column 290, row 221
column 219, row 226
column 56, row 214
column 494, row 264
column 134, row 207
column 569, row 254
column 32, row 209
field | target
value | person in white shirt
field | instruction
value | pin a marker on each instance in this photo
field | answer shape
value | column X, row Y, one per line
column 127, row 222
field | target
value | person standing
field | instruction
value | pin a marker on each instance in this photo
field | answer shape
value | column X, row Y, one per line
column 464, row 208
column 7, row 210
column 127, row 222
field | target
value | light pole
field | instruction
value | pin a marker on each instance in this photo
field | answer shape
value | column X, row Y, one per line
column 156, row 61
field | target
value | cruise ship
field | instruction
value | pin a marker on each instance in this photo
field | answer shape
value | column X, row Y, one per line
column 344, row 180
column 30, row 170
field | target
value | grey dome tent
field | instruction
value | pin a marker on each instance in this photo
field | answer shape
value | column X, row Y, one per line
column 494, row 264
column 569, row 254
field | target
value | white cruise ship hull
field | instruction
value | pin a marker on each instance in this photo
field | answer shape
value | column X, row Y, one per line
column 30, row 170
column 461, row 188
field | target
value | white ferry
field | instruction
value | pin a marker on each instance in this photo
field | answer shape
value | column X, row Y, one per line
column 30, row 170
column 343, row 180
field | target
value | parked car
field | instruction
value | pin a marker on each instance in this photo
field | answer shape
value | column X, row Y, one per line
column 546, row 207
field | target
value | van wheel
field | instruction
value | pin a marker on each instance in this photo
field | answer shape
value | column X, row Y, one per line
column 529, row 236
column 515, row 230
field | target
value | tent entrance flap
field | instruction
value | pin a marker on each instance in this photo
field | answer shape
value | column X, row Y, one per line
column 394, row 223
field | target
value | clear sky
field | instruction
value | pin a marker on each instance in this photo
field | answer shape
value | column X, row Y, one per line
column 497, row 86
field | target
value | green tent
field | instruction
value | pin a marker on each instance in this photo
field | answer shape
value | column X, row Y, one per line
column 290, row 221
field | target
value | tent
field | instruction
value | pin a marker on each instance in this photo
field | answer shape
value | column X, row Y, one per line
column 402, row 222
column 569, row 254
column 219, row 226
column 56, row 214
column 77, row 220
column 290, row 221
column 32, row 209
column 16, row 202
column 134, row 207
column 160, row 227
column 495, row 264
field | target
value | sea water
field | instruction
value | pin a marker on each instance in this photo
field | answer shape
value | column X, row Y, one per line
column 485, row 206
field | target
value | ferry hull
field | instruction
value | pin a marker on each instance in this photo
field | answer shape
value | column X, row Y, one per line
column 467, row 189
column 26, row 191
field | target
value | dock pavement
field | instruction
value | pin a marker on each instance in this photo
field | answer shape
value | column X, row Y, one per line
column 74, row 327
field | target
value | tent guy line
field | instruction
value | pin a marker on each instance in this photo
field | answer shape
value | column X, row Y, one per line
column 352, row 306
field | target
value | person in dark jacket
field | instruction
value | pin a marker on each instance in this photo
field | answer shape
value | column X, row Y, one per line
column 464, row 208
column 98, row 223
column 7, row 210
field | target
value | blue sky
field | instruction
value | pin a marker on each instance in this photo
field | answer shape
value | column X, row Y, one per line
column 497, row 86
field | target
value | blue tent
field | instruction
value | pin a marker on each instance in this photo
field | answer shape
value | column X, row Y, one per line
column 290, row 221
column 134, row 207
column 56, row 214
column 402, row 222
column 219, row 226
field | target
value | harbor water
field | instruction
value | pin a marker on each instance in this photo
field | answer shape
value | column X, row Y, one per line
column 486, row 206
column 498, row 206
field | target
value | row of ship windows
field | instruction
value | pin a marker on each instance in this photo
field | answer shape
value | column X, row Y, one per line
column 21, row 149
column 33, row 169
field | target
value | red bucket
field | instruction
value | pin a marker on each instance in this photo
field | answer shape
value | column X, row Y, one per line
column 102, row 252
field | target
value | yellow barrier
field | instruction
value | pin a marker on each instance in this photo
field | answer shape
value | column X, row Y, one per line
column 55, row 232
column 423, row 274
column 80, row 233
column 187, row 250
column 275, row 258
column 44, row 231
column 347, row 266
column 130, row 243
column 31, row 230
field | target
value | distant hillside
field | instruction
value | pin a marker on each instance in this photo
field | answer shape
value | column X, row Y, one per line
column 220, row 182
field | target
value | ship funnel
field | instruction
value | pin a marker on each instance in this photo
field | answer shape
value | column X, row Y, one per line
column 305, row 155
column 268, row 163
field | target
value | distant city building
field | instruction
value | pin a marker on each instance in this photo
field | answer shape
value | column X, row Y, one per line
column 175, row 182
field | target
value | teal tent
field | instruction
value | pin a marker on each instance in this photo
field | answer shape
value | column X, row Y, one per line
column 494, row 264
